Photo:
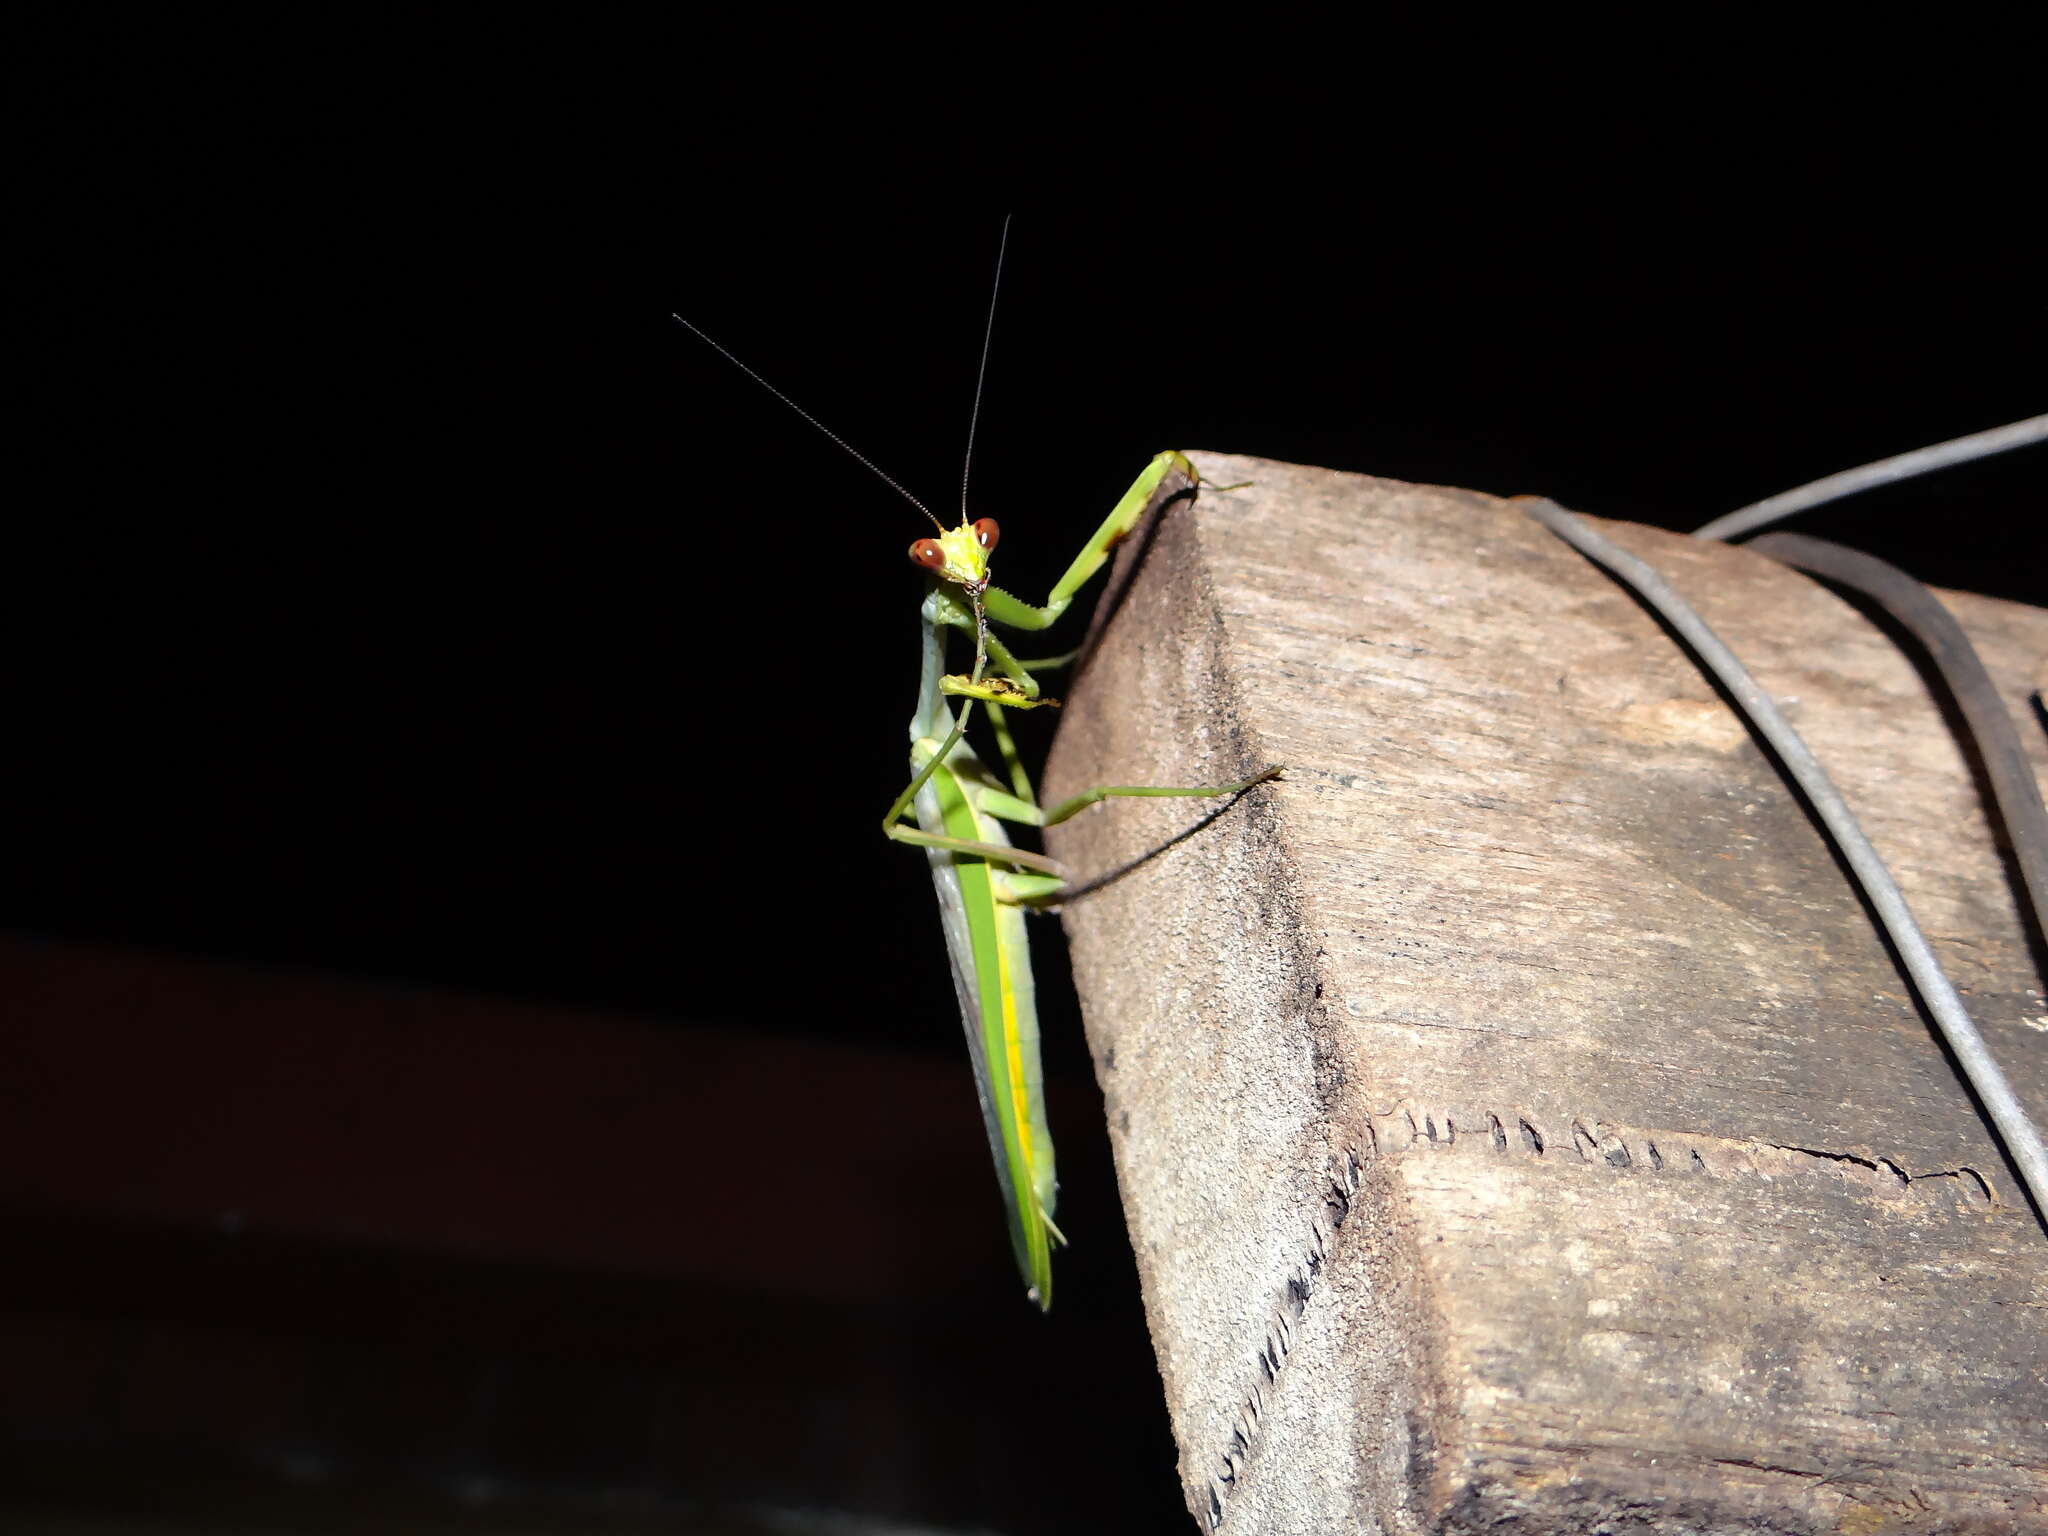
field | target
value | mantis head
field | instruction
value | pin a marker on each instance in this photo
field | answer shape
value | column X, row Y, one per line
column 959, row 555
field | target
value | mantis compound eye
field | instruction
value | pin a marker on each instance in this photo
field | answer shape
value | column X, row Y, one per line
column 986, row 533
column 926, row 552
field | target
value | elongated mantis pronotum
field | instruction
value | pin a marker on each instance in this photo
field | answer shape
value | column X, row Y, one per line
column 954, row 808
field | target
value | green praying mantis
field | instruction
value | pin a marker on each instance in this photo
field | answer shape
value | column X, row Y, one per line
column 954, row 808
column 984, row 885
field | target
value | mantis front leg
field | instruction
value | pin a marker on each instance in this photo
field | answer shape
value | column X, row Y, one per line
column 1168, row 476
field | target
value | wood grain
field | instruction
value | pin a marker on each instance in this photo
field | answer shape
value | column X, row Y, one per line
column 1520, row 1122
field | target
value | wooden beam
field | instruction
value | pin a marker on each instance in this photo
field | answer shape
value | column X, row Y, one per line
column 1520, row 1122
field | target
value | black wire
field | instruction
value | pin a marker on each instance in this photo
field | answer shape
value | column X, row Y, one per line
column 2015, row 793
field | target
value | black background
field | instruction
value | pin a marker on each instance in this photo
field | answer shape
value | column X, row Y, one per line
column 399, row 593
column 434, row 561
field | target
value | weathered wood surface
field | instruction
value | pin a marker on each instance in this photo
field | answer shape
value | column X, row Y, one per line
column 1520, row 1123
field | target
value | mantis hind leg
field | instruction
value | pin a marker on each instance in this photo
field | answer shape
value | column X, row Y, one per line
column 1023, row 807
column 1076, row 804
column 1018, row 889
column 995, row 853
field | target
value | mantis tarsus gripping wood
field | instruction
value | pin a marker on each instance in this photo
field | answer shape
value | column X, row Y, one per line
column 954, row 808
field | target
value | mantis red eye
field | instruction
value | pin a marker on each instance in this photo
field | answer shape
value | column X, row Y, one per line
column 926, row 552
column 986, row 533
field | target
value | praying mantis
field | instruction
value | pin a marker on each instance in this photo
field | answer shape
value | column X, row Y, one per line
column 984, row 885
column 954, row 808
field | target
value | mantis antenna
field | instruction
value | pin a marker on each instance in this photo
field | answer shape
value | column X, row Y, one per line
column 856, row 454
column 981, row 376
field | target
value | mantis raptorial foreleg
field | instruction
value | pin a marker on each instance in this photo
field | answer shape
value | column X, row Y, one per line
column 1169, row 476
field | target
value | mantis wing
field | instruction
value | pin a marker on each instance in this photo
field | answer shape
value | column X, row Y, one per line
column 991, row 960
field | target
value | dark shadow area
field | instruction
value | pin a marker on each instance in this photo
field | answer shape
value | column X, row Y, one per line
column 642, row 1278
